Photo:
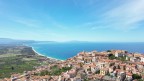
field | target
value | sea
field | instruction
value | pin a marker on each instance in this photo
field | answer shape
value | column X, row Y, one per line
column 65, row 50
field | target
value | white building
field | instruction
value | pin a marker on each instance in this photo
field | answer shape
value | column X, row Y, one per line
column 119, row 54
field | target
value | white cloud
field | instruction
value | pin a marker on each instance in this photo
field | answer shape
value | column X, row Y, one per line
column 27, row 22
column 125, row 17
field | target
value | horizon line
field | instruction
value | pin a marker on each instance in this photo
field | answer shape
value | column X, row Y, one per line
column 74, row 41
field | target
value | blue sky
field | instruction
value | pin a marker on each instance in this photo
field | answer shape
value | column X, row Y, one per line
column 68, row 20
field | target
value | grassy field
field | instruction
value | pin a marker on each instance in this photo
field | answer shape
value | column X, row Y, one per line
column 17, row 63
column 8, row 55
column 17, row 59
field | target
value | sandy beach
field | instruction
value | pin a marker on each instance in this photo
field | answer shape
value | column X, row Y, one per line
column 45, row 55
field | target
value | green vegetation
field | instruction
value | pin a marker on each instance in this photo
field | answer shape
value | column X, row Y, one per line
column 108, row 50
column 89, row 69
column 86, row 79
column 8, row 55
column 126, row 51
column 97, row 72
column 24, row 50
column 121, row 58
column 15, row 64
column 54, row 71
column 136, row 76
column 108, row 74
column 17, row 59
column 140, row 80
column 111, row 57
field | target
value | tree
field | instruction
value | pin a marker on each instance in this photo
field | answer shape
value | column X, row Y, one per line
column 108, row 50
column 97, row 72
column 12, row 68
column 136, row 76
column 140, row 80
column 108, row 74
column 126, row 51
column 111, row 56
column 118, row 67
column 86, row 79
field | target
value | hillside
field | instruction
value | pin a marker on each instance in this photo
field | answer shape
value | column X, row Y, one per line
column 17, row 59
column 16, row 50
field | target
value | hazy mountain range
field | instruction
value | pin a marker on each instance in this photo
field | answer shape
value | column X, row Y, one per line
column 14, row 41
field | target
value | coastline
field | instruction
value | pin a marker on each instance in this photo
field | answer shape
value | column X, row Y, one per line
column 44, row 55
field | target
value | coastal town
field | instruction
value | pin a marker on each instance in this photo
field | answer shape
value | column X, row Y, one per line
column 71, row 40
column 111, row 65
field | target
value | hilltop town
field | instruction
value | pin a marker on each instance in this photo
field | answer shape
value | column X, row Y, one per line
column 111, row 65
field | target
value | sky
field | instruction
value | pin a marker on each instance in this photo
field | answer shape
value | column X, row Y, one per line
column 73, row 20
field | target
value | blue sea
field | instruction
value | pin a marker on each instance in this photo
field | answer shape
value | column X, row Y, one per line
column 65, row 50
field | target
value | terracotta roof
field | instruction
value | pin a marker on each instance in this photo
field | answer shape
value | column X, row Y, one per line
column 119, row 70
column 133, row 65
column 97, row 76
column 105, row 69
column 122, row 64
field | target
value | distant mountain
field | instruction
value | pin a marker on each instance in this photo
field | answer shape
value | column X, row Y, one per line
column 14, row 41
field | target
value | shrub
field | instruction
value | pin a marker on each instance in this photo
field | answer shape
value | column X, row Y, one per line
column 136, row 76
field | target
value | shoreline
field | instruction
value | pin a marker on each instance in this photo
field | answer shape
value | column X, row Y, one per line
column 45, row 55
